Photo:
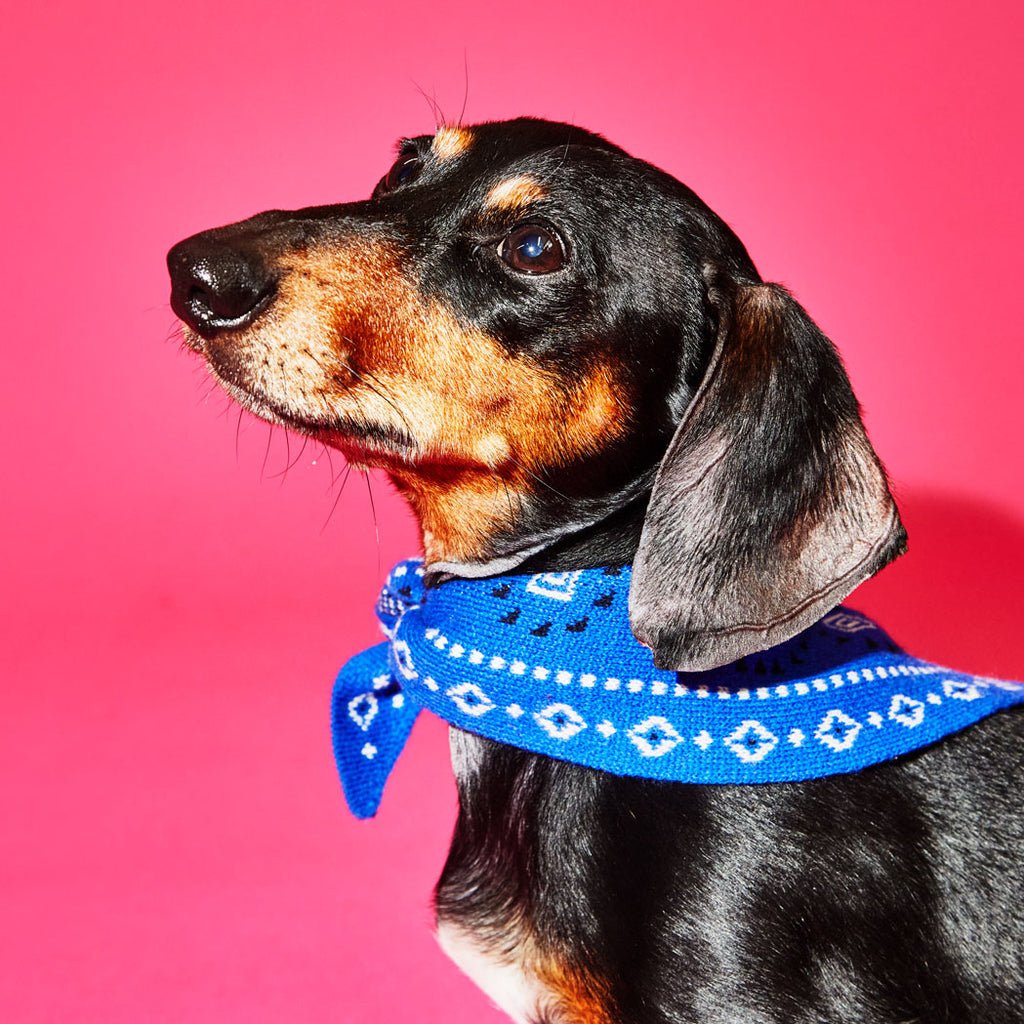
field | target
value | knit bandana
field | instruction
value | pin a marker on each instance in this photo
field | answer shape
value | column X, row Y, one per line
column 547, row 663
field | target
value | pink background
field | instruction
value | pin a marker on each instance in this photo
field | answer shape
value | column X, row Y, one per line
column 174, row 844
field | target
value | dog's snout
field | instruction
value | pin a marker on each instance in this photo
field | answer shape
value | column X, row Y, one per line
column 217, row 287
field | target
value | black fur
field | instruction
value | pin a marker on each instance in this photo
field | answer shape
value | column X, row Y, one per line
column 891, row 895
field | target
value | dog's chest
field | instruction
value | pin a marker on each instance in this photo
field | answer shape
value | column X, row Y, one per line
column 506, row 980
column 501, row 956
column 503, row 977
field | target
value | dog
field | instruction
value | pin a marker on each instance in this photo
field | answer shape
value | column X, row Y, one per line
column 564, row 359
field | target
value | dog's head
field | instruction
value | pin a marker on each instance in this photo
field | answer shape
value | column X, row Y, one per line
column 529, row 329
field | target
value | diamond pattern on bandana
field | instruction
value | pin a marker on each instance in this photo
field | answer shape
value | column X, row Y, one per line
column 471, row 699
column 838, row 730
column 960, row 690
column 906, row 711
column 560, row 721
column 557, row 585
column 654, row 736
column 847, row 622
column 751, row 742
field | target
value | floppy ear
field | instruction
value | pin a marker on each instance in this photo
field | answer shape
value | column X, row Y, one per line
column 770, row 505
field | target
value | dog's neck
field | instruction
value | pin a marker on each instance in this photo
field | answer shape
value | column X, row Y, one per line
column 612, row 541
column 476, row 525
column 457, row 512
column 609, row 538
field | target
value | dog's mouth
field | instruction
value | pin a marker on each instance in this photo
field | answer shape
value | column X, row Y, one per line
column 360, row 439
column 371, row 443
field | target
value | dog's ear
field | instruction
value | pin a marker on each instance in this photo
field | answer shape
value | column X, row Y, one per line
column 770, row 505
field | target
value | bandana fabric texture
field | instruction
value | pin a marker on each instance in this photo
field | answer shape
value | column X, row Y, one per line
column 547, row 663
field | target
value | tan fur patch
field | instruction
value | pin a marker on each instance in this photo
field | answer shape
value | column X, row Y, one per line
column 514, row 193
column 451, row 141
column 576, row 996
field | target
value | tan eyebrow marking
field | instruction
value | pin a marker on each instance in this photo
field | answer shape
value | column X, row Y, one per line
column 513, row 193
column 451, row 141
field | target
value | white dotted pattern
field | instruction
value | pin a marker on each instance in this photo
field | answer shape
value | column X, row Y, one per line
column 659, row 687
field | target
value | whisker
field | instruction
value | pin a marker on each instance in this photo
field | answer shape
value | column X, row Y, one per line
column 210, row 388
column 465, row 94
column 432, row 103
column 565, row 154
column 287, row 459
column 393, row 404
column 540, row 480
column 341, row 491
column 508, row 498
column 376, row 525
column 266, row 454
column 334, row 475
column 293, row 463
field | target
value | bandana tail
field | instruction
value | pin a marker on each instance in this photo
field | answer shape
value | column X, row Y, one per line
column 371, row 718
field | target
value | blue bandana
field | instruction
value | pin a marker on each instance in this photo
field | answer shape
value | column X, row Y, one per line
column 548, row 663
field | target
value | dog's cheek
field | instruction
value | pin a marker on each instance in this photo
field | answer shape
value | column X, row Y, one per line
column 469, row 400
column 513, row 415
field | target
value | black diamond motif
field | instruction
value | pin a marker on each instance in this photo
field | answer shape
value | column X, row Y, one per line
column 510, row 618
column 577, row 627
column 503, row 591
column 605, row 600
column 542, row 629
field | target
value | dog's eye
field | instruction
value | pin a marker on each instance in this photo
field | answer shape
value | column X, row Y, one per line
column 532, row 249
column 405, row 169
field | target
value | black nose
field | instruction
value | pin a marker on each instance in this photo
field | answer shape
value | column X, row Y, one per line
column 216, row 287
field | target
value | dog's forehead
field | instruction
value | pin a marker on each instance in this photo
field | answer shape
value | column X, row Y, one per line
column 494, row 145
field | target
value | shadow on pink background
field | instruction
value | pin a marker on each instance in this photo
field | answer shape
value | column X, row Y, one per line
column 175, row 846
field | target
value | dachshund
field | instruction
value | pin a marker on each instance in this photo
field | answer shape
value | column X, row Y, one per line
column 564, row 359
